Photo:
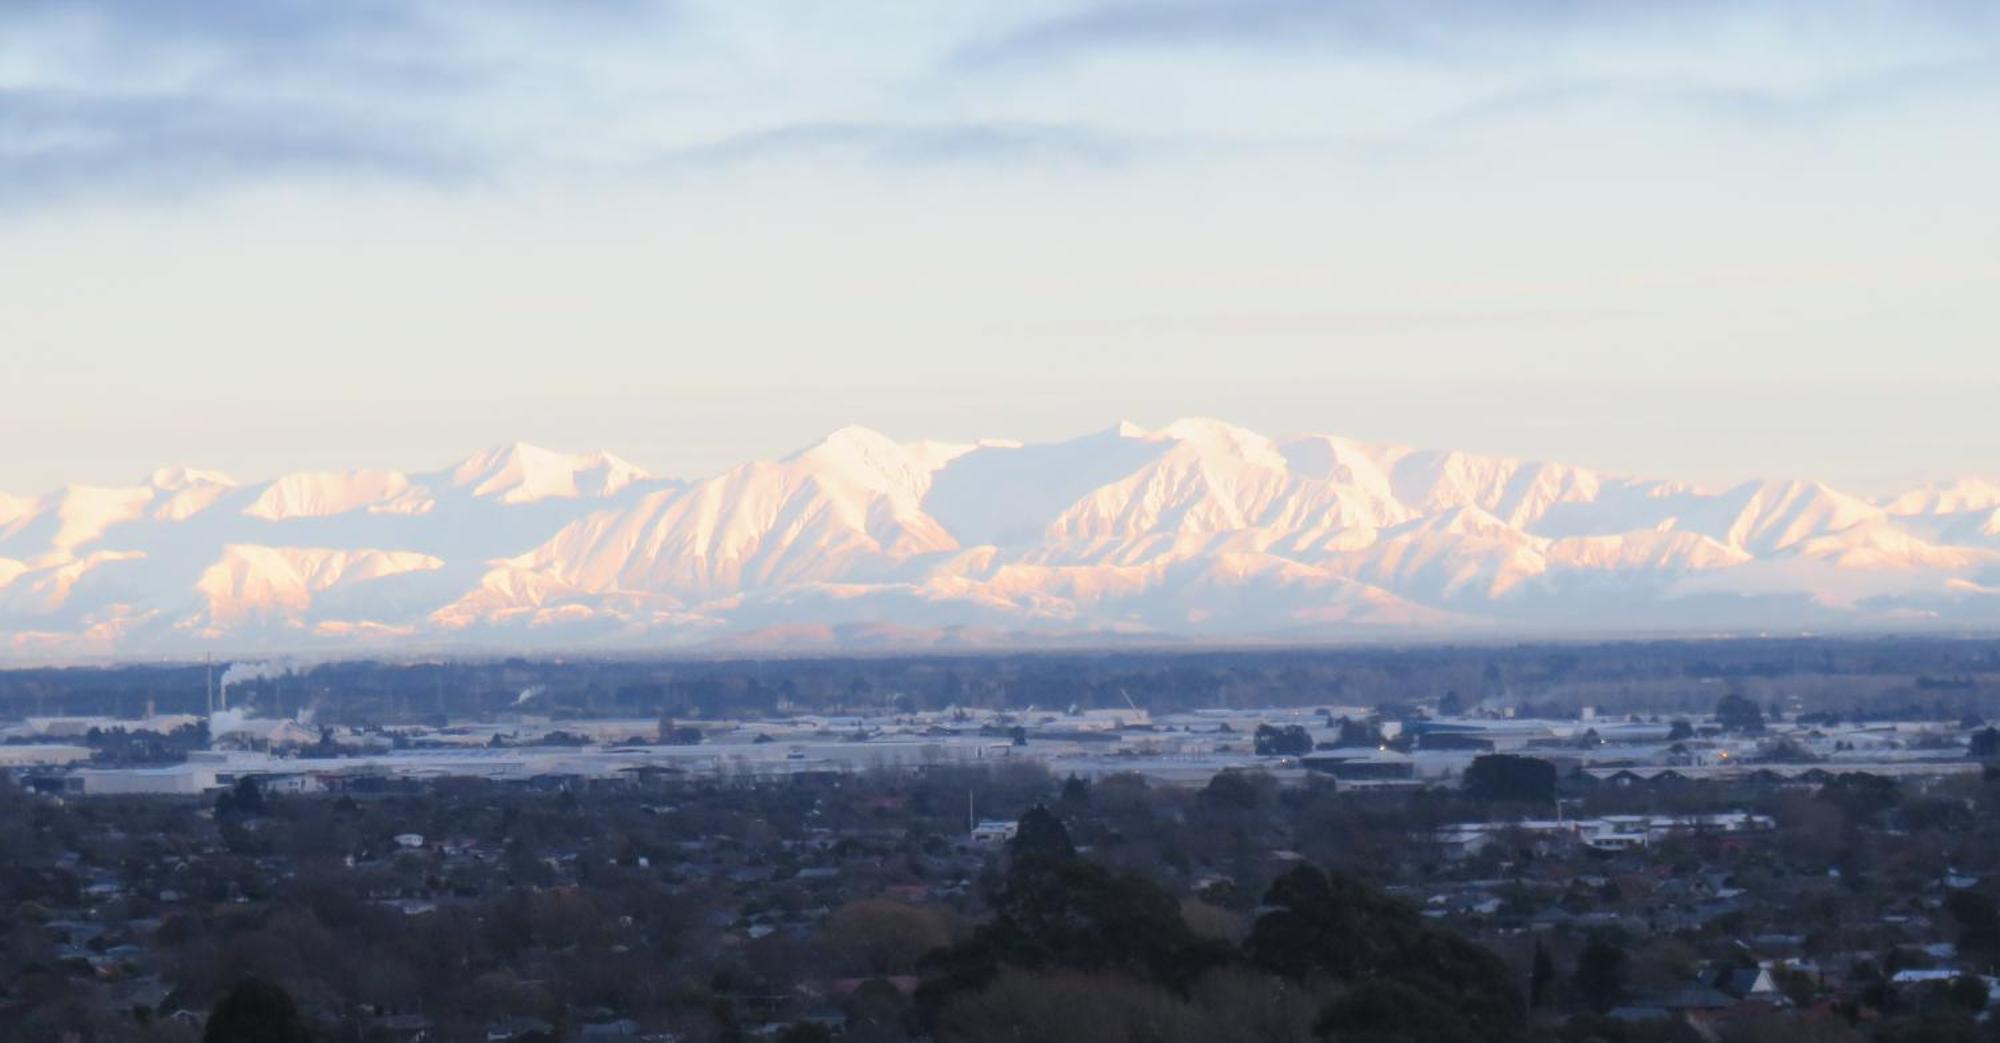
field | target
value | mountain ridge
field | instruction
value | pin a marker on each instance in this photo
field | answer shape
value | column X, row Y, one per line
column 1201, row 530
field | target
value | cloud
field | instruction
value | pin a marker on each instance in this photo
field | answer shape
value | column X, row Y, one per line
column 152, row 98
column 908, row 144
column 57, row 144
column 1446, row 30
column 1395, row 27
column 1395, row 79
column 217, row 46
column 1126, row 25
column 1764, row 107
column 1870, row 90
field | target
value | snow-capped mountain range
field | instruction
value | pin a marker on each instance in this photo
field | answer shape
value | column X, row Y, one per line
column 1196, row 531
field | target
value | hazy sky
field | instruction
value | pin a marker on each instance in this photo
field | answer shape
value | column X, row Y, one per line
column 1701, row 239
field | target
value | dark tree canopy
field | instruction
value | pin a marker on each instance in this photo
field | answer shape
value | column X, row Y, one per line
column 1357, row 733
column 1860, row 794
column 1290, row 741
column 1056, row 910
column 1233, row 789
column 1738, row 714
column 1541, row 976
column 1041, row 837
column 1978, row 923
column 1601, row 972
column 246, row 799
column 1336, row 926
column 1387, row 1011
column 1508, row 777
column 255, row 1011
column 1401, row 978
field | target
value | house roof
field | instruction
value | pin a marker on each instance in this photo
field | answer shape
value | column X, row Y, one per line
column 1696, row 997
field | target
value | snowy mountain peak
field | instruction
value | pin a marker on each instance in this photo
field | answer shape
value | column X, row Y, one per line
column 320, row 494
column 1199, row 529
column 1220, row 438
column 1191, row 429
column 1965, row 494
column 522, row 473
column 1776, row 514
column 868, row 459
column 1204, row 428
column 1466, row 520
column 175, row 479
column 14, row 508
column 852, row 442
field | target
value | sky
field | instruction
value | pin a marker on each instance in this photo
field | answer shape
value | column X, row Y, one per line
column 1704, row 240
